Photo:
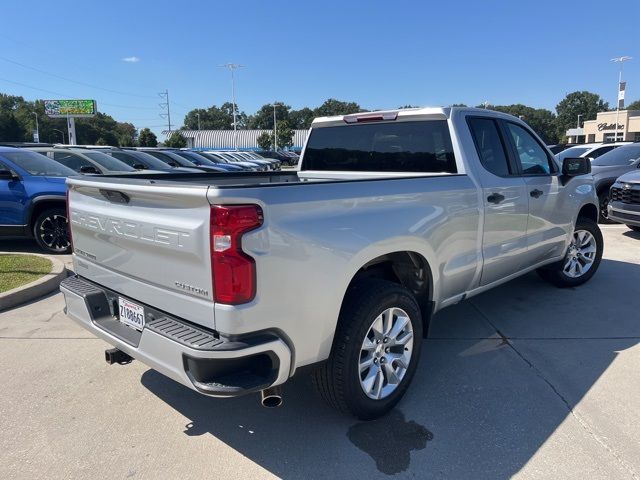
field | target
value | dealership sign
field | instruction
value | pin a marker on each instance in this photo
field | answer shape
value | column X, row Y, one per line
column 609, row 126
column 70, row 108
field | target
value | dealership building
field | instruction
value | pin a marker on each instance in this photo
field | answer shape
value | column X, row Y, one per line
column 226, row 139
column 603, row 128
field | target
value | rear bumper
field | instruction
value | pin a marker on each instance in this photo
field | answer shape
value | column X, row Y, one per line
column 624, row 213
column 198, row 358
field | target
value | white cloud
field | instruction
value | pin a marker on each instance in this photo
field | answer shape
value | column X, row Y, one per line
column 131, row 59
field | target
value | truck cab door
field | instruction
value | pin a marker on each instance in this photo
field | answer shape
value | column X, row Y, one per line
column 548, row 223
column 504, row 199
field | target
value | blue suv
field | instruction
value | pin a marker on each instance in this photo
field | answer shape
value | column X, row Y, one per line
column 33, row 199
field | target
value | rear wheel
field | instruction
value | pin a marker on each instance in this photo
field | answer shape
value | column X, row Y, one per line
column 582, row 258
column 51, row 231
column 375, row 350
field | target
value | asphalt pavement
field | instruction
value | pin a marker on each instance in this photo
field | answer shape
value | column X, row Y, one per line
column 526, row 380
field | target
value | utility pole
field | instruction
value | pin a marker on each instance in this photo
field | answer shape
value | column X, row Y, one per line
column 620, row 99
column 578, row 126
column 165, row 96
column 198, row 121
column 37, row 136
column 233, row 67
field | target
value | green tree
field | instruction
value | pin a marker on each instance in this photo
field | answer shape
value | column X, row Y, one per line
column 634, row 105
column 541, row 120
column 336, row 107
column 10, row 130
column 265, row 140
column 285, row 135
column 214, row 118
column 302, row 118
column 147, row 138
column 175, row 140
column 126, row 134
column 263, row 118
column 582, row 103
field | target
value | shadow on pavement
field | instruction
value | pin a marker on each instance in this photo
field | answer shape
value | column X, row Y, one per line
column 482, row 402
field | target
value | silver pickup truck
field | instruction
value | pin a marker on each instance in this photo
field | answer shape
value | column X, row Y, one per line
column 232, row 283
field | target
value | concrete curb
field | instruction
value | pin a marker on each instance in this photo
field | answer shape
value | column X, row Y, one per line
column 36, row 289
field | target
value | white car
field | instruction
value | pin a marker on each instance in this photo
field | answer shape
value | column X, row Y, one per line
column 589, row 150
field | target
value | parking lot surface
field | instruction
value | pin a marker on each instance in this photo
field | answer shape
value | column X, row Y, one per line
column 525, row 380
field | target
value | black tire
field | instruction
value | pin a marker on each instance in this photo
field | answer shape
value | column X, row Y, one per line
column 338, row 379
column 635, row 228
column 555, row 273
column 603, row 199
column 51, row 231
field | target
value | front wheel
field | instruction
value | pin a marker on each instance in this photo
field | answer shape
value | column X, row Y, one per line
column 51, row 231
column 582, row 258
column 375, row 350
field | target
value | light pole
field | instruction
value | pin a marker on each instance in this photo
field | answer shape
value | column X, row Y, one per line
column 275, row 127
column 233, row 67
column 621, row 61
column 578, row 125
column 198, row 121
column 37, row 127
column 61, row 133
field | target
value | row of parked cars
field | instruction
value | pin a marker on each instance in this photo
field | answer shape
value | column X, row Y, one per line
column 616, row 175
column 32, row 180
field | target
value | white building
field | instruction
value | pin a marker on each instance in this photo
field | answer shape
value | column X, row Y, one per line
column 224, row 139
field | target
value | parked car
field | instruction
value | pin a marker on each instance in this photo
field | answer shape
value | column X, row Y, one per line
column 275, row 155
column 624, row 200
column 234, row 167
column 589, row 150
column 84, row 161
column 558, row 147
column 32, row 196
column 144, row 161
column 201, row 160
column 232, row 157
column 610, row 166
column 252, row 166
column 170, row 157
column 232, row 284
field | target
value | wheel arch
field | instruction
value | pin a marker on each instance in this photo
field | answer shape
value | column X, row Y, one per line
column 590, row 211
column 40, row 204
column 404, row 267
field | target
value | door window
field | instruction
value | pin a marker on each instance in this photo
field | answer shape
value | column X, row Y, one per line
column 489, row 146
column 532, row 158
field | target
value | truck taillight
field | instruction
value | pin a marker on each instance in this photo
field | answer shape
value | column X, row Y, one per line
column 234, row 272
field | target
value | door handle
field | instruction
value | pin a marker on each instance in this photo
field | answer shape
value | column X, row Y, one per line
column 495, row 198
column 536, row 193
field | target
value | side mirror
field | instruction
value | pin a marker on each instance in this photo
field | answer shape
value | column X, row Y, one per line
column 89, row 169
column 7, row 175
column 572, row 167
column 139, row 166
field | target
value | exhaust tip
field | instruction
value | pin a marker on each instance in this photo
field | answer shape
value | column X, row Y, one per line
column 271, row 397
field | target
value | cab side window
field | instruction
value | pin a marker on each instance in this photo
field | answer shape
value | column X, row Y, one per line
column 530, row 155
column 489, row 146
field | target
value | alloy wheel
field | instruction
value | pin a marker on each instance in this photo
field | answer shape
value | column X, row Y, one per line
column 580, row 255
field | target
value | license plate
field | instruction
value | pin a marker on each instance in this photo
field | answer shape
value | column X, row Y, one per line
column 131, row 314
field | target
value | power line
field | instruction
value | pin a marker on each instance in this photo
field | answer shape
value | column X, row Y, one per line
column 73, row 81
column 72, row 97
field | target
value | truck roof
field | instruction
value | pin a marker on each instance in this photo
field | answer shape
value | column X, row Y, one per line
column 402, row 113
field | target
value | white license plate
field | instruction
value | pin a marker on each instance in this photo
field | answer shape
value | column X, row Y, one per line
column 131, row 314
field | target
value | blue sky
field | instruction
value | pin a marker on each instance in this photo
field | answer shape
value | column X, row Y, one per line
column 379, row 54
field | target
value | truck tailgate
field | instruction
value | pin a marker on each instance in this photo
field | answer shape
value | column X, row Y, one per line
column 147, row 242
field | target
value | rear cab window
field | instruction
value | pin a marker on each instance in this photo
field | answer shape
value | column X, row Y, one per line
column 409, row 146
